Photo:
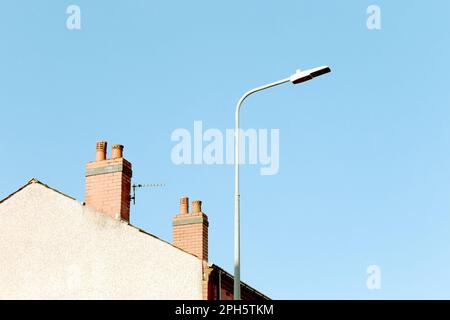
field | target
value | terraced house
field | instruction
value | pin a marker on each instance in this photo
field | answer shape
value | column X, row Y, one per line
column 54, row 247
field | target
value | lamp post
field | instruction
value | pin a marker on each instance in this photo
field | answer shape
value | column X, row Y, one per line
column 298, row 77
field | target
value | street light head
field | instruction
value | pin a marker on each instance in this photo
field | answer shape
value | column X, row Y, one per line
column 316, row 72
column 302, row 76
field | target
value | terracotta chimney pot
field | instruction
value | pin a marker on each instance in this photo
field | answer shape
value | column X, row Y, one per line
column 117, row 151
column 100, row 151
column 196, row 206
column 184, row 205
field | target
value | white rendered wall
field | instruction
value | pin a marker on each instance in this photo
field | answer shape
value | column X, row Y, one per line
column 52, row 247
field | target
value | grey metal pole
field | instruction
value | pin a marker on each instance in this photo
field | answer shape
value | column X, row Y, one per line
column 237, row 200
column 298, row 77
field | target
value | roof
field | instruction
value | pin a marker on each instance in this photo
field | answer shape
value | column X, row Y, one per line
column 36, row 181
column 32, row 181
column 243, row 284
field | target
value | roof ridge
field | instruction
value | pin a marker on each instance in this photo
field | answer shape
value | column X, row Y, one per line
column 33, row 181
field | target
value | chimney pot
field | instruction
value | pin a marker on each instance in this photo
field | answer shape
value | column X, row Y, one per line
column 196, row 206
column 184, row 205
column 117, row 151
column 100, row 151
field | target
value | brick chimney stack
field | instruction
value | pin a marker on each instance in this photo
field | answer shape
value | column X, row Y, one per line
column 108, row 182
column 190, row 230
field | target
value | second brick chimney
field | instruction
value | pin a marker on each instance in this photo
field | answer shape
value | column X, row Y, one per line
column 108, row 182
column 190, row 229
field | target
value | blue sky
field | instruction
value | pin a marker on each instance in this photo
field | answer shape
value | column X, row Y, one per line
column 364, row 152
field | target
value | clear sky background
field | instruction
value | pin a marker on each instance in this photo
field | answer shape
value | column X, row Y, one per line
column 364, row 152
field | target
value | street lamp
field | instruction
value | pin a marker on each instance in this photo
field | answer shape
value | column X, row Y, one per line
column 298, row 77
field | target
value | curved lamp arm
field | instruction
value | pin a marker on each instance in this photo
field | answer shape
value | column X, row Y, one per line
column 298, row 77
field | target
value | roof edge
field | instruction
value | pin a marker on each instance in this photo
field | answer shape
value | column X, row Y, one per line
column 34, row 181
column 216, row 267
